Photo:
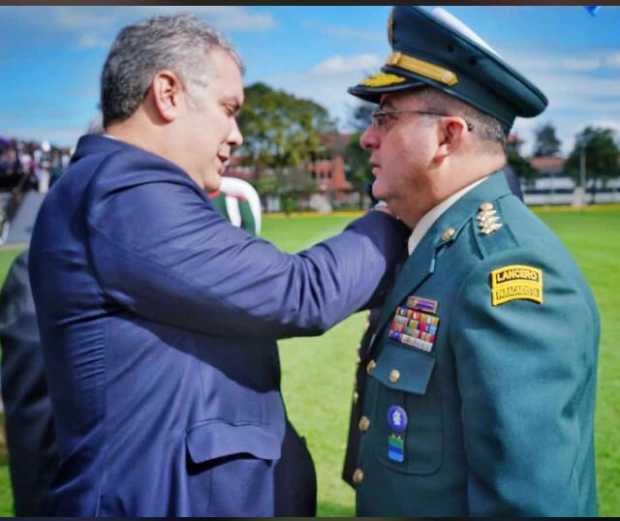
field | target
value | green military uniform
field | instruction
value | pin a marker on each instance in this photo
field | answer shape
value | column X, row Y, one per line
column 500, row 408
column 476, row 387
column 248, row 221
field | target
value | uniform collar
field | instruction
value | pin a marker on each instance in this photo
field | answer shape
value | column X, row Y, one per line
column 429, row 218
column 450, row 224
column 444, row 230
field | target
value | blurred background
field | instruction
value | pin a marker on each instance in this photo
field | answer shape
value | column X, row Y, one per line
column 306, row 164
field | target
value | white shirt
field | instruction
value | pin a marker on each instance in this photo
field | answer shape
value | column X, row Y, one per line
column 429, row 218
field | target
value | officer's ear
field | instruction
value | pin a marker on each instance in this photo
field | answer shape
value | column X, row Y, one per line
column 452, row 132
column 167, row 94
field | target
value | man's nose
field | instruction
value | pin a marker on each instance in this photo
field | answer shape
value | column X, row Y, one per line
column 369, row 139
column 235, row 137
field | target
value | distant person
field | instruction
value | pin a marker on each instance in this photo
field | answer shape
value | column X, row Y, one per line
column 476, row 393
column 33, row 457
column 159, row 319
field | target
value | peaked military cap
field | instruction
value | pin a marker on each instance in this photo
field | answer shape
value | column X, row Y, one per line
column 436, row 49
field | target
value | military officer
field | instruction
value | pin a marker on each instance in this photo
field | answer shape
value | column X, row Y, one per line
column 476, row 388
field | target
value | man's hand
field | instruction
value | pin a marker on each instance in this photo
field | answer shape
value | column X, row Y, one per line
column 382, row 206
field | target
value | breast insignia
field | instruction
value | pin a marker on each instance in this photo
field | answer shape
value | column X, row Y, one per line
column 488, row 220
column 414, row 325
column 397, row 424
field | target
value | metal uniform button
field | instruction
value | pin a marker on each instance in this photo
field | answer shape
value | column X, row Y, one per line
column 356, row 396
column 394, row 375
column 358, row 476
column 448, row 234
column 364, row 424
column 370, row 367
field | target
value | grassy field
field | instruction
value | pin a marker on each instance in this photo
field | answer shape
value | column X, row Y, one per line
column 318, row 372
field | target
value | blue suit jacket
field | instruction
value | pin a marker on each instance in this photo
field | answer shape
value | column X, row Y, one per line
column 159, row 321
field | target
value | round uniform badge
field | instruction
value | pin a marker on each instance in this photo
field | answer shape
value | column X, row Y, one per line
column 397, row 418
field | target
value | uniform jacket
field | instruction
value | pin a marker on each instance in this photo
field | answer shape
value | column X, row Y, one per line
column 499, row 401
column 158, row 321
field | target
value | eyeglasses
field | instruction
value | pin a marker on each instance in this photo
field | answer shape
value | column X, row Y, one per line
column 381, row 118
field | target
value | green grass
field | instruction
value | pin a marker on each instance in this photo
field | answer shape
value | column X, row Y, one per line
column 6, row 499
column 317, row 373
column 594, row 239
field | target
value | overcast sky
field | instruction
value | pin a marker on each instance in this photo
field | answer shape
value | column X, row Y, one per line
column 51, row 57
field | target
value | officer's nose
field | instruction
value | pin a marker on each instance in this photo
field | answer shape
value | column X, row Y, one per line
column 369, row 139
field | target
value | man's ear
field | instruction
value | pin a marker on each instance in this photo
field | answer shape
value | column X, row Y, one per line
column 451, row 132
column 166, row 91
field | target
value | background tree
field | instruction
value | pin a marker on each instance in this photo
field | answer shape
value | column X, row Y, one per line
column 355, row 157
column 547, row 143
column 281, row 133
column 601, row 152
column 294, row 184
column 357, row 167
column 521, row 167
column 361, row 116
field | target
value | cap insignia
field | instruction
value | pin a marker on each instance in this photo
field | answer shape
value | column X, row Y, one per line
column 382, row 79
column 423, row 68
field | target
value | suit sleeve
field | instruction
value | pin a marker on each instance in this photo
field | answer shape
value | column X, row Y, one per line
column 160, row 250
column 526, row 374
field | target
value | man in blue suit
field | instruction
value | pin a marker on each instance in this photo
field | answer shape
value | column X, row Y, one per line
column 30, row 440
column 476, row 388
column 158, row 318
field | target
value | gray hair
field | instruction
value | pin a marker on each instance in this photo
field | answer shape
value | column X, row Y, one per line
column 179, row 43
column 486, row 127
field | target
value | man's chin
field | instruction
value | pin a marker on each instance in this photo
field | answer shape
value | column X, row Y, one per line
column 212, row 181
column 377, row 193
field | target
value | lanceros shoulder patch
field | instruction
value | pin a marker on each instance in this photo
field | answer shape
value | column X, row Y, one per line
column 516, row 282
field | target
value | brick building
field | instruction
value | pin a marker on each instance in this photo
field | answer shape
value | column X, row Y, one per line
column 328, row 170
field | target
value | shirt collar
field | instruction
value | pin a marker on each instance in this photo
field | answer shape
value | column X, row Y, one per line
column 429, row 218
